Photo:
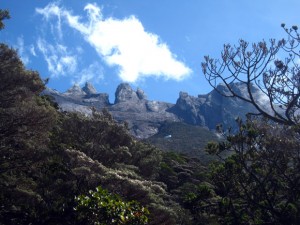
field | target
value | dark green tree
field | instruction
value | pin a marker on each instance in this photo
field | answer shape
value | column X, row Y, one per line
column 26, row 117
column 4, row 14
column 25, row 122
column 260, row 182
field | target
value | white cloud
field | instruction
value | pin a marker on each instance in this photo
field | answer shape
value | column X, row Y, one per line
column 52, row 10
column 22, row 50
column 59, row 60
column 92, row 72
column 32, row 50
column 123, row 43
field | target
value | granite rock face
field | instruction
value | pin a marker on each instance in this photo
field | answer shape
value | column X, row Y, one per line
column 89, row 89
column 75, row 91
column 145, row 117
column 124, row 93
column 78, row 99
column 212, row 109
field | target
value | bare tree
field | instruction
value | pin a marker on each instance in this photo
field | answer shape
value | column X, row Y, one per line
column 273, row 67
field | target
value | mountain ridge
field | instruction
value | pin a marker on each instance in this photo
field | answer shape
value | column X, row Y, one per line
column 145, row 117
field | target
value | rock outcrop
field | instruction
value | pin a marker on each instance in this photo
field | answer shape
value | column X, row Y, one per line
column 89, row 89
column 124, row 93
column 75, row 91
column 78, row 99
column 212, row 109
column 145, row 117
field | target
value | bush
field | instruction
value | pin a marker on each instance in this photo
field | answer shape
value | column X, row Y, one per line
column 103, row 208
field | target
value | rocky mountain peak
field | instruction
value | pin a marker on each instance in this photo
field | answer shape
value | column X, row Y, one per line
column 185, row 100
column 183, row 95
column 125, row 93
column 141, row 94
column 75, row 90
column 89, row 89
column 144, row 117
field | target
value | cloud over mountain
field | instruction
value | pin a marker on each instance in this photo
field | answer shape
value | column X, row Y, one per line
column 120, row 42
column 58, row 58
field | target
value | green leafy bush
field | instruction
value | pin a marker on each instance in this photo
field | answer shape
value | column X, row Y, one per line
column 103, row 208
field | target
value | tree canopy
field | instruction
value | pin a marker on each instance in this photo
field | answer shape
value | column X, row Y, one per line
column 271, row 66
column 47, row 157
column 258, row 183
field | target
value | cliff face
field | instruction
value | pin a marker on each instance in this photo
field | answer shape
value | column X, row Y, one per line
column 212, row 109
column 78, row 99
column 145, row 117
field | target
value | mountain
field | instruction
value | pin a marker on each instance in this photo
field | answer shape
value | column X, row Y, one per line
column 212, row 109
column 146, row 118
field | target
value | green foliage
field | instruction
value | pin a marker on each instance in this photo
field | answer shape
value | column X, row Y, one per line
column 187, row 139
column 178, row 169
column 100, row 137
column 212, row 148
column 48, row 157
column 259, row 182
column 102, row 208
column 103, row 139
column 147, row 158
column 26, row 117
column 26, row 123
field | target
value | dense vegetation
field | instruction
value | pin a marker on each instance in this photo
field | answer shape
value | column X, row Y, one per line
column 184, row 138
column 260, row 183
column 51, row 163
column 66, row 168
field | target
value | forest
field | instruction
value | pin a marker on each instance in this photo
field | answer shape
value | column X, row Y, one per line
column 66, row 168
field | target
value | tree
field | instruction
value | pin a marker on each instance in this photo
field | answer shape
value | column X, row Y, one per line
column 262, row 65
column 4, row 14
column 26, row 117
column 99, row 136
column 258, row 183
column 26, row 120
column 103, row 208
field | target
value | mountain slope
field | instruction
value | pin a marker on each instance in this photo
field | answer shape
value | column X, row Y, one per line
column 184, row 138
column 145, row 117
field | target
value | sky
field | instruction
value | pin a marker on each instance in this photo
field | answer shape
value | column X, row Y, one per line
column 155, row 45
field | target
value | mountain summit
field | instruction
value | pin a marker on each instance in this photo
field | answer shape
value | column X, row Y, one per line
column 145, row 117
column 124, row 93
column 75, row 91
column 89, row 89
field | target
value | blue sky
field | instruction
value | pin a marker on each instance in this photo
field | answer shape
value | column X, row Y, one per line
column 155, row 45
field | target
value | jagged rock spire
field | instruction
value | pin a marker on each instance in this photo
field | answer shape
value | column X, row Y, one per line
column 125, row 93
column 89, row 89
column 141, row 94
column 75, row 90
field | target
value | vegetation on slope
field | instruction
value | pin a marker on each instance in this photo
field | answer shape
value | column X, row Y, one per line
column 186, row 139
column 48, row 158
column 51, row 163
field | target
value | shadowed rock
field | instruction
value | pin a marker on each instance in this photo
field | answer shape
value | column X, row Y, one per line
column 89, row 89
